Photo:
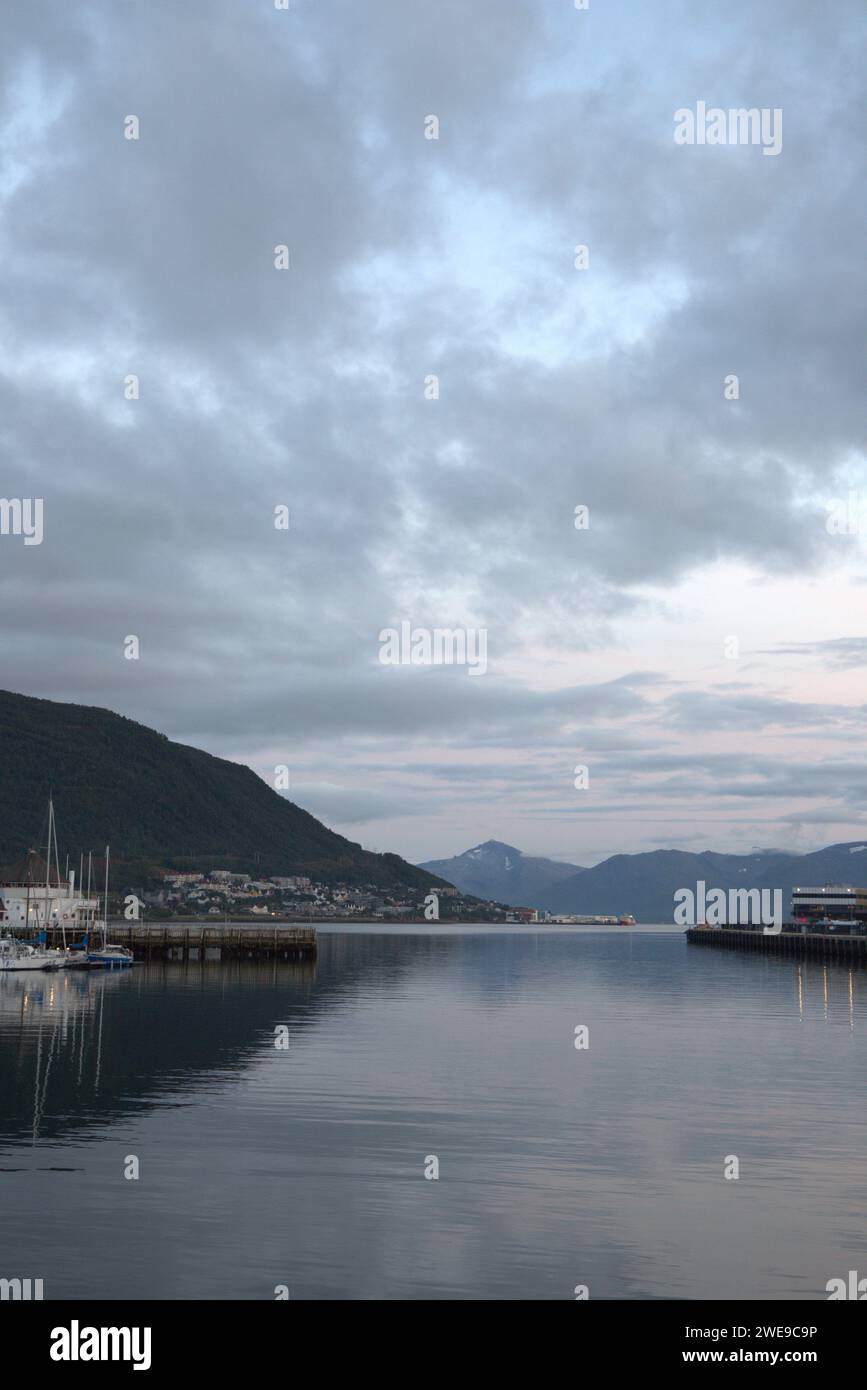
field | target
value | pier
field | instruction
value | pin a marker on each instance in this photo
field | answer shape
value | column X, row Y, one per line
column 228, row 941
column 825, row 946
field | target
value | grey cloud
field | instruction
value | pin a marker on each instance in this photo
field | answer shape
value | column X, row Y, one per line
column 411, row 257
column 845, row 653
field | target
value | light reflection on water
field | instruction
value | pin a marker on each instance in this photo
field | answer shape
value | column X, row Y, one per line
column 263, row 1166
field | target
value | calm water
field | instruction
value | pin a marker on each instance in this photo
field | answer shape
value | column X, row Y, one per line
column 305, row 1166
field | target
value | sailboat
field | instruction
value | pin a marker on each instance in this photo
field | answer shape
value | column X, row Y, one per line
column 20, row 955
column 63, row 907
column 108, row 956
column 26, row 913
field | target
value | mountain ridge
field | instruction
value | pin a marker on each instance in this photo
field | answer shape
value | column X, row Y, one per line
column 502, row 873
column 644, row 884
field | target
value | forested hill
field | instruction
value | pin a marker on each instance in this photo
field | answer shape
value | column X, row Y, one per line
column 159, row 803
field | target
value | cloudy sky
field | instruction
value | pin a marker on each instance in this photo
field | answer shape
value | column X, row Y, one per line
column 701, row 646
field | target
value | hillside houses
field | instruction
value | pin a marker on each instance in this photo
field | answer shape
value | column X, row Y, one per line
column 222, row 892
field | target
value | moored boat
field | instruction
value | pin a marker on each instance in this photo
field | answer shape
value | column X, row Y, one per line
column 20, row 955
column 36, row 903
column 108, row 956
column 39, row 903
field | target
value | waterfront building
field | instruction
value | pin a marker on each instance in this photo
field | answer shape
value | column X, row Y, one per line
column 835, row 902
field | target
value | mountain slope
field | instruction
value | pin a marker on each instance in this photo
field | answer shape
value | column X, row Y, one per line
column 645, row 884
column 501, row 872
column 159, row 803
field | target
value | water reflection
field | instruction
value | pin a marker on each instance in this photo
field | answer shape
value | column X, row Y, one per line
column 305, row 1165
column 81, row 1047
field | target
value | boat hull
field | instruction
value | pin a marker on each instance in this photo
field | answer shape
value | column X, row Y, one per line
column 31, row 962
column 110, row 960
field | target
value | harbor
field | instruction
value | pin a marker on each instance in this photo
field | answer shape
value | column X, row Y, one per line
column 48, row 923
column 51, row 925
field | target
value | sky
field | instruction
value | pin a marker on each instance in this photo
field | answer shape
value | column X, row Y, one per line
column 699, row 647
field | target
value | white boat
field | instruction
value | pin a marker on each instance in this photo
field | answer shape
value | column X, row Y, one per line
column 52, row 905
column 20, row 955
column 68, row 957
column 31, row 908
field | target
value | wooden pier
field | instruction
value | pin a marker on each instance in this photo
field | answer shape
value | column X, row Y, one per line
column 228, row 941
column 825, row 946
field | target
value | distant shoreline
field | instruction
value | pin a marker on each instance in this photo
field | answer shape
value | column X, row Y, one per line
column 312, row 922
column 156, row 922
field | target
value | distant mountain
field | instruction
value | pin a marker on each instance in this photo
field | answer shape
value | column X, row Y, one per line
column 645, row 884
column 158, row 803
column 502, row 873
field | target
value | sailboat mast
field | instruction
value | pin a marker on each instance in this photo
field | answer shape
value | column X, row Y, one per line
column 48, row 864
column 105, row 905
column 56, row 855
column 53, row 828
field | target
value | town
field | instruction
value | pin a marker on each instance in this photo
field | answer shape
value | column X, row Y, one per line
column 222, row 893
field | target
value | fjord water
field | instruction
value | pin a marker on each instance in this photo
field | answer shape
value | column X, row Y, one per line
column 303, row 1165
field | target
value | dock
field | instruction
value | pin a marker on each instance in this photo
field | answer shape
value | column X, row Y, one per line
column 212, row 941
column 825, row 946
